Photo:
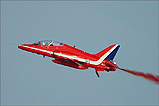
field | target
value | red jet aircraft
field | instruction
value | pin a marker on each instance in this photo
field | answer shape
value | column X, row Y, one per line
column 73, row 57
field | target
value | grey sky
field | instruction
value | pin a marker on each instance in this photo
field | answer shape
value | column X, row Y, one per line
column 29, row 79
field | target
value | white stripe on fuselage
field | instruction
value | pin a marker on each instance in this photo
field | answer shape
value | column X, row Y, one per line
column 39, row 49
column 76, row 58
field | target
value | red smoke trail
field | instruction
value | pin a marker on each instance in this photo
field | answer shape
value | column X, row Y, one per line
column 148, row 76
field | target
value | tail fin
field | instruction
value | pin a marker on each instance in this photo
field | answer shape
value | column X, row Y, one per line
column 110, row 51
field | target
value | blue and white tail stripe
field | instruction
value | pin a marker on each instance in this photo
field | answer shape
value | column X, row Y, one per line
column 111, row 56
column 105, row 55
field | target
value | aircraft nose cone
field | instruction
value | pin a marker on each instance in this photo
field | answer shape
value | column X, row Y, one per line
column 20, row 46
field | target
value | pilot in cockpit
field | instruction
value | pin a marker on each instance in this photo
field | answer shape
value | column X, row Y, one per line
column 49, row 43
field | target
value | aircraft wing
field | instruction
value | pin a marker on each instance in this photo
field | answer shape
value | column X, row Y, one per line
column 69, row 60
column 68, row 56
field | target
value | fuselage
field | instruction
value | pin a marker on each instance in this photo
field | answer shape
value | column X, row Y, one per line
column 70, row 56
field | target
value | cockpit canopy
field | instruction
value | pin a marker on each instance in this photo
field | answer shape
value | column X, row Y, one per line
column 48, row 43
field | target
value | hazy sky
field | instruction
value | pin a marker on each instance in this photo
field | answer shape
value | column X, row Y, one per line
column 30, row 79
